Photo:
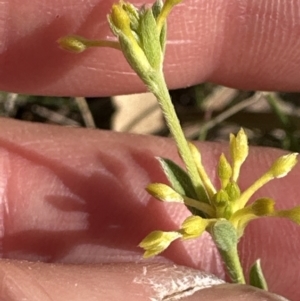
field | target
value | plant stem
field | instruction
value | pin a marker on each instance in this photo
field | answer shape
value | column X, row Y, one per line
column 225, row 237
column 159, row 88
column 233, row 265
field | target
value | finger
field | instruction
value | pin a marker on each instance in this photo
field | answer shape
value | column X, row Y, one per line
column 21, row 280
column 245, row 44
column 77, row 196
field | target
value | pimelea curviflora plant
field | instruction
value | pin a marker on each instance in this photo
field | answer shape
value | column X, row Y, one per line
column 222, row 211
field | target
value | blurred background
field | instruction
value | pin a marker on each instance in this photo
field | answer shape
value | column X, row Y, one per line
column 206, row 112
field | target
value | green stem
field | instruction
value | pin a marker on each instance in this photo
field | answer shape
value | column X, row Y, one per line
column 246, row 195
column 225, row 237
column 159, row 88
column 204, row 207
column 233, row 265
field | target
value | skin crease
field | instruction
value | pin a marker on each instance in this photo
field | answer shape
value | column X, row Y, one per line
column 49, row 190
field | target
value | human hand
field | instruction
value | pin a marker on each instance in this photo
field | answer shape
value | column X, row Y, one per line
column 83, row 191
column 244, row 44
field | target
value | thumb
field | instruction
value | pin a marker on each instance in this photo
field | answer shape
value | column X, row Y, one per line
column 22, row 280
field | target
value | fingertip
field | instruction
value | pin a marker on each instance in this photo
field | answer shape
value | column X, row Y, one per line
column 22, row 280
column 243, row 44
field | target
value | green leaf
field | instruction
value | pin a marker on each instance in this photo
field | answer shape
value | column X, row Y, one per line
column 256, row 276
column 163, row 38
column 156, row 9
column 224, row 235
column 180, row 181
column 233, row 191
column 150, row 39
column 178, row 178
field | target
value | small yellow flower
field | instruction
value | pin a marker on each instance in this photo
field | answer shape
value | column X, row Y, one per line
column 239, row 151
column 193, row 227
column 261, row 207
column 164, row 193
column 233, row 191
column 282, row 166
column 157, row 241
column 221, row 198
column 209, row 187
column 224, row 171
column 292, row 214
column 120, row 18
column 77, row 44
column 73, row 43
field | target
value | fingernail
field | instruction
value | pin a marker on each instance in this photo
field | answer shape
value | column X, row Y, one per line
column 170, row 283
column 236, row 292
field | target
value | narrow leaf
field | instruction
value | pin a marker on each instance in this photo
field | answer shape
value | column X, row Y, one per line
column 256, row 276
column 156, row 9
column 150, row 39
column 178, row 178
column 180, row 181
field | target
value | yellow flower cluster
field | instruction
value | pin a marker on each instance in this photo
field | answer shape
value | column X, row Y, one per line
column 141, row 36
column 225, row 204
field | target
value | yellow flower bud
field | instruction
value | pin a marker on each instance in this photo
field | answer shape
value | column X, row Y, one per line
column 233, row 191
column 241, row 148
column 263, row 207
column 120, row 18
column 73, row 43
column 221, row 198
column 193, row 227
column 283, row 165
column 78, row 44
column 224, row 170
column 239, row 151
column 292, row 214
column 157, row 241
column 196, row 155
column 164, row 193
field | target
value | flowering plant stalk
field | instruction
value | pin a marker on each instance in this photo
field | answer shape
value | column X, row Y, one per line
column 222, row 211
